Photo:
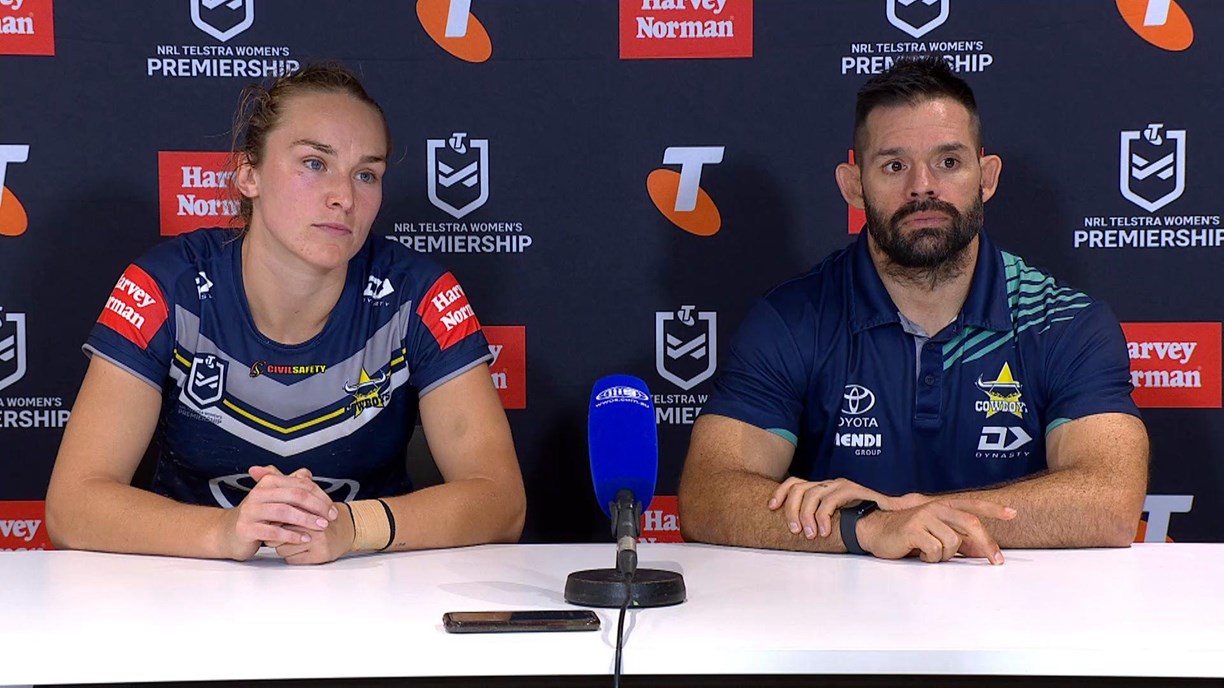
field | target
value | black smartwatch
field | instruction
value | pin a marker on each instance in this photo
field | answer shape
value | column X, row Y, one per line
column 849, row 522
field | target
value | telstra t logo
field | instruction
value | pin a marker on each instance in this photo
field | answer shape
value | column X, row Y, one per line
column 451, row 24
column 13, row 218
column 679, row 196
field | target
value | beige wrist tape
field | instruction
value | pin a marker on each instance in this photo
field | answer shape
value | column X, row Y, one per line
column 372, row 529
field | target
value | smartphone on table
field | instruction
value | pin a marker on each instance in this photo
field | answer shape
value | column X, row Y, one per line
column 521, row 621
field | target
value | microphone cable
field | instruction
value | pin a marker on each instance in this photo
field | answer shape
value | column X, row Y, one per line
column 620, row 628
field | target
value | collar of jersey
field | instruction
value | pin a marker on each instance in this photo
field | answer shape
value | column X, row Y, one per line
column 986, row 306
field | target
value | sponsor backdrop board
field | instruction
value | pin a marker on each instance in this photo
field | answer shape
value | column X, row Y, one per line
column 614, row 181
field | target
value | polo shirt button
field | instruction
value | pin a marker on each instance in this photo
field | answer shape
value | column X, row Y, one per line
column 929, row 379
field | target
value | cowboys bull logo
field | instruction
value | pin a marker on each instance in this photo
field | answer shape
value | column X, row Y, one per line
column 1152, row 170
column 686, row 347
column 458, row 173
column 917, row 17
column 1002, row 393
column 206, row 381
column 368, row 392
column 12, row 347
column 230, row 490
column 223, row 19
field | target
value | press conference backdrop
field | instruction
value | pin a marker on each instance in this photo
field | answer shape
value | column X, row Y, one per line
column 614, row 181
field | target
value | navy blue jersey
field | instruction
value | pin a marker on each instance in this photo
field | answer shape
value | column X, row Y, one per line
column 826, row 361
column 343, row 404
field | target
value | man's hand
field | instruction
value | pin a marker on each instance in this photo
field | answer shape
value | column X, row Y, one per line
column 327, row 545
column 279, row 509
column 809, row 505
column 935, row 531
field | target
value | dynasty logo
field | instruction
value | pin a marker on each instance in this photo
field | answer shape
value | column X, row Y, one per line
column 1002, row 393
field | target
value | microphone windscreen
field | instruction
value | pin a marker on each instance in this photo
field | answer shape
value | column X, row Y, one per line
column 623, row 440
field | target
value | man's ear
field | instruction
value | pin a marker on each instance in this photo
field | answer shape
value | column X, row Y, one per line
column 246, row 178
column 991, row 165
column 850, row 181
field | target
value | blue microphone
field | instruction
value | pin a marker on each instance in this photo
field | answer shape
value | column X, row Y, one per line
column 624, row 448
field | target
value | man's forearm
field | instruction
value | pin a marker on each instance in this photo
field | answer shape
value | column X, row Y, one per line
column 729, row 508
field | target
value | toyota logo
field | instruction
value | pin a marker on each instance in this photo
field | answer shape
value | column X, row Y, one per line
column 858, row 400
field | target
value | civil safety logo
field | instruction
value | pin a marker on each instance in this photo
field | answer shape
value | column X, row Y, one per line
column 223, row 19
column 1152, row 166
column 686, row 346
column 27, row 27
column 1174, row 364
column 13, row 218
column 663, row 29
column 195, row 189
column 458, row 173
column 12, row 347
column 508, row 345
column 1163, row 23
column 1002, row 394
column 451, row 24
column 917, row 17
column 22, row 527
column 679, row 196
column 661, row 520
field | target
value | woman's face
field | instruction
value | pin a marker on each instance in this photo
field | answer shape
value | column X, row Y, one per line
column 315, row 193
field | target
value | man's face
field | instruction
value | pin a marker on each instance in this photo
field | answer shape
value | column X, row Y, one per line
column 922, row 183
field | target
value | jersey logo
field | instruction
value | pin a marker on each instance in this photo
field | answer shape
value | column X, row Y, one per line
column 1002, row 394
column 136, row 308
column 1003, row 438
column 206, row 381
column 857, row 400
column 230, row 490
column 203, row 285
column 368, row 392
column 446, row 312
column 378, row 288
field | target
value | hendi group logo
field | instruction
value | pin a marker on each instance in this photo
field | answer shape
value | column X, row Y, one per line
column 1152, row 174
column 27, row 27
column 195, row 190
column 219, row 22
column 21, row 527
column 858, row 430
column 508, row 345
column 1174, row 364
column 13, row 218
column 917, row 19
column 679, row 196
column 1163, row 23
column 686, row 355
column 451, row 24
column 23, row 412
column 664, row 29
column 457, row 182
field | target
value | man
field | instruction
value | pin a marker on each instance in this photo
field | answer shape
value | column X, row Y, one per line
column 928, row 393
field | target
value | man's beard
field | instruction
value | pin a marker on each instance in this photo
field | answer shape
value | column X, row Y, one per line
column 929, row 254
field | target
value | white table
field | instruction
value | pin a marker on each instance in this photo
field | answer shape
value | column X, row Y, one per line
column 1153, row 610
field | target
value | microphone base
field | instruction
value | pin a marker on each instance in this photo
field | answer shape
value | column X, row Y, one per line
column 606, row 588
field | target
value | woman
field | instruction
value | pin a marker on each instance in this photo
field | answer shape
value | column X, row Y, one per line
column 283, row 368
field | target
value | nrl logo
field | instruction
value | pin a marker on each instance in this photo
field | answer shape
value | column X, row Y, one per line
column 458, row 174
column 206, row 381
column 230, row 490
column 915, row 11
column 369, row 392
column 223, row 24
column 686, row 348
column 1152, row 166
column 12, row 348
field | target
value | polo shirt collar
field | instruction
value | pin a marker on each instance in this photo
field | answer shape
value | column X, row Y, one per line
column 985, row 307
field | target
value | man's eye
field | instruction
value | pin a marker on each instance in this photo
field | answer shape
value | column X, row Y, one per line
column 314, row 164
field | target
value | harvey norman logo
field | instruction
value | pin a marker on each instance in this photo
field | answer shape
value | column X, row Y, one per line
column 21, row 527
column 27, row 27
column 1174, row 365
column 679, row 196
column 508, row 345
column 195, row 190
column 13, row 218
column 662, row 29
column 451, row 24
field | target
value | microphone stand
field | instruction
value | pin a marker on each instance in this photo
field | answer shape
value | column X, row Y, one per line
column 606, row 587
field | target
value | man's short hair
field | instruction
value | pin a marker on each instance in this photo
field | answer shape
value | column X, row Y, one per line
column 912, row 81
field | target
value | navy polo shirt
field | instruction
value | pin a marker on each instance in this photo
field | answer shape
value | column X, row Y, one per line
column 826, row 361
